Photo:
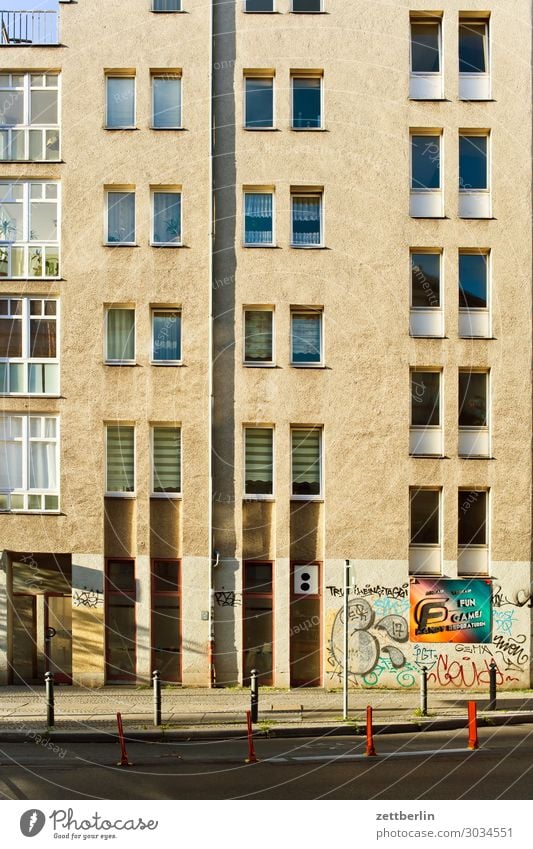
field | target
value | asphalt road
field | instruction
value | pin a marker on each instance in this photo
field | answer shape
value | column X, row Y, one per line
column 434, row 765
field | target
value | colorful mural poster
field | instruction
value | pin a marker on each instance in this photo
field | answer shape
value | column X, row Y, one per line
column 448, row 611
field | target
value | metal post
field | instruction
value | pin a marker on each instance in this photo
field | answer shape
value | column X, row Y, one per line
column 49, row 685
column 254, row 695
column 345, row 653
column 493, row 669
column 424, row 691
column 156, row 681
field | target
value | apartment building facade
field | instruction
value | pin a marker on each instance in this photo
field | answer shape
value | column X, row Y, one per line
column 267, row 309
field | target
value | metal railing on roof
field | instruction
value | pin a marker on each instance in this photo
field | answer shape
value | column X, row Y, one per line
column 21, row 27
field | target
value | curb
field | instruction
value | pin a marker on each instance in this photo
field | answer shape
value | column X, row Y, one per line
column 213, row 734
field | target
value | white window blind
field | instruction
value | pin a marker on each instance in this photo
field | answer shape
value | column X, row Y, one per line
column 258, row 461
column 120, row 458
column 306, row 447
column 167, row 459
column 258, row 336
column 306, row 337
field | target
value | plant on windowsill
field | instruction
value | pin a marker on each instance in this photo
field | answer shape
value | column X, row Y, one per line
column 173, row 229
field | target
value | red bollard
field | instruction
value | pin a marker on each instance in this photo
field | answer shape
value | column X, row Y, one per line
column 370, row 750
column 473, row 742
column 124, row 760
column 251, row 759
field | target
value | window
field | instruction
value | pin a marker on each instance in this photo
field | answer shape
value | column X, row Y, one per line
column 29, row 463
column 474, row 197
column 166, row 465
column 306, row 337
column 166, row 336
column 29, row 117
column 426, row 78
column 425, row 534
column 426, row 195
column 120, row 102
column 472, row 535
column 258, row 461
column 306, row 229
column 258, row 219
column 166, row 101
column 306, row 102
column 166, row 5
column 474, row 319
column 120, row 462
column 426, row 432
column 474, row 71
column 258, row 337
column 29, row 351
column 258, row 622
column 29, row 229
column 425, row 282
column 120, row 597
column 120, row 335
column 306, row 462
column 259, row 103
column 305, row 622
column 166, row 639
column 120, row 217
column 306, row 5
column 166, row 218
column 259, row 5
column 474, row 414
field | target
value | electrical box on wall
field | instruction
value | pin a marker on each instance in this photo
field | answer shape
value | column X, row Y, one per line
column 306, row 579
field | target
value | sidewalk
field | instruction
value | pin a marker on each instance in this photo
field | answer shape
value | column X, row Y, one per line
column 196, row 712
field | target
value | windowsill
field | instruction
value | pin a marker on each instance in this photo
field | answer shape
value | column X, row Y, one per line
column 269, row 247
column 489, row 338
column 31, row 279
column 428, row 456
column 309, row 129
column 309, row 247
column 168, row 129
column 318, row 498
column 168, row 363
column 262, row 129
column 475, row 457
column 30, row 161
column 427, row 336
column 127, row 495
column 169, row 11
column 258, row 497
column 121, row 245
column 167, row 245
column 121, row 129
column 35, row 395
column 166, row 496
column 259, row 365
column 31, row 513
column 120, row 363
column 309, row 365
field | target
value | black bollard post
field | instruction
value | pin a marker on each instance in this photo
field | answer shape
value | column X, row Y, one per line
column 49, row 685
column 156, row 680
column 493, row 669
column 424, row 691
column 254, row 695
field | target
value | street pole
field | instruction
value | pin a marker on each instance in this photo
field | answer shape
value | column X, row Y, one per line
column 346, row 590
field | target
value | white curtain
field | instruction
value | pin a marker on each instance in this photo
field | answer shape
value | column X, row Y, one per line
column 258, row 333
column 121, row 334
column 306, row 220
column 43, row 465
column 306, row 338
column 258, row 218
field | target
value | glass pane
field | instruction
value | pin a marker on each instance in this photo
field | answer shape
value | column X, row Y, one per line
column 43, row 465
column 121, row 575
column 51, row 502
column 36, row 191
column 17, row 262
column 43, row 378
column 305, row 462
column 121, row 335
column 425, row 58
column 167, row 101
column 258, row 219
column 43, row 107
column 51, row 147
column 306, row 5
column 4, row 145
column 4, row 501
column 121, row 217
column 259, row 102
column 425, row 517
column 166, row 5
column 17, row 373
column 166, row 637
column 472, row 399
column 52, row 261
column 472, row 514
column 425, row 162
column 11, row 229
column 50, row 191
column 18, row 152
column 34, row 502
column 12, row 108
column 305, row 642
column 43, row 222
column 425, row 280
column 35, row 427
column 472, row 162
column 166, row 576
column 167, row 459
column 306, row 338
column 120, row 459
column 17, row 502
column 120, row 635
column 258, row 460
column 306, row 220
column 258, row 336
column 4, row 378
column 36, row 262
column 166, row 329
column 167, row 218
column 306, row 104
column 36, row 144
column 10, row 465
column 425, row 398
column 258, row 578
column 472, row 281
column 472, row 48
column 50, row 427
column 42, row 337
column 258, row 638
column 259, row 5
column 10, row 337
column 120, row 102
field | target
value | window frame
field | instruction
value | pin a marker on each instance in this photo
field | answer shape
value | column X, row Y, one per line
column 115, row 307
column 170, row 74
column 26, row 244
column 162, row 190
column 257, row 11
column 308, row 75
column 165, row 496
column 25, row 440
column 435, row 21
column 110, row 493
column 26, row 360
column 131, row 595
column 485, row 22
column 415, row 490
column 153, row 311
column 259, row 74
column 172, row 594
column 26, row 126
column 248, row 594
column 430, row 134
column 308, row 11
column 426, row 370
column 259, row 190
column 488, row 399
column 314, row 311
column 472, row 134
column 259, row 496
column 166, row 11
column 486, row 253
column 307, row 496
column 119, row 190
column 429, row 252
column 309, row 194
column 254, row 363
column 117, row 75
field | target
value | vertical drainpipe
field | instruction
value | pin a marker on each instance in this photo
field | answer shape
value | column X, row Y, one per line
column 211, row 600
